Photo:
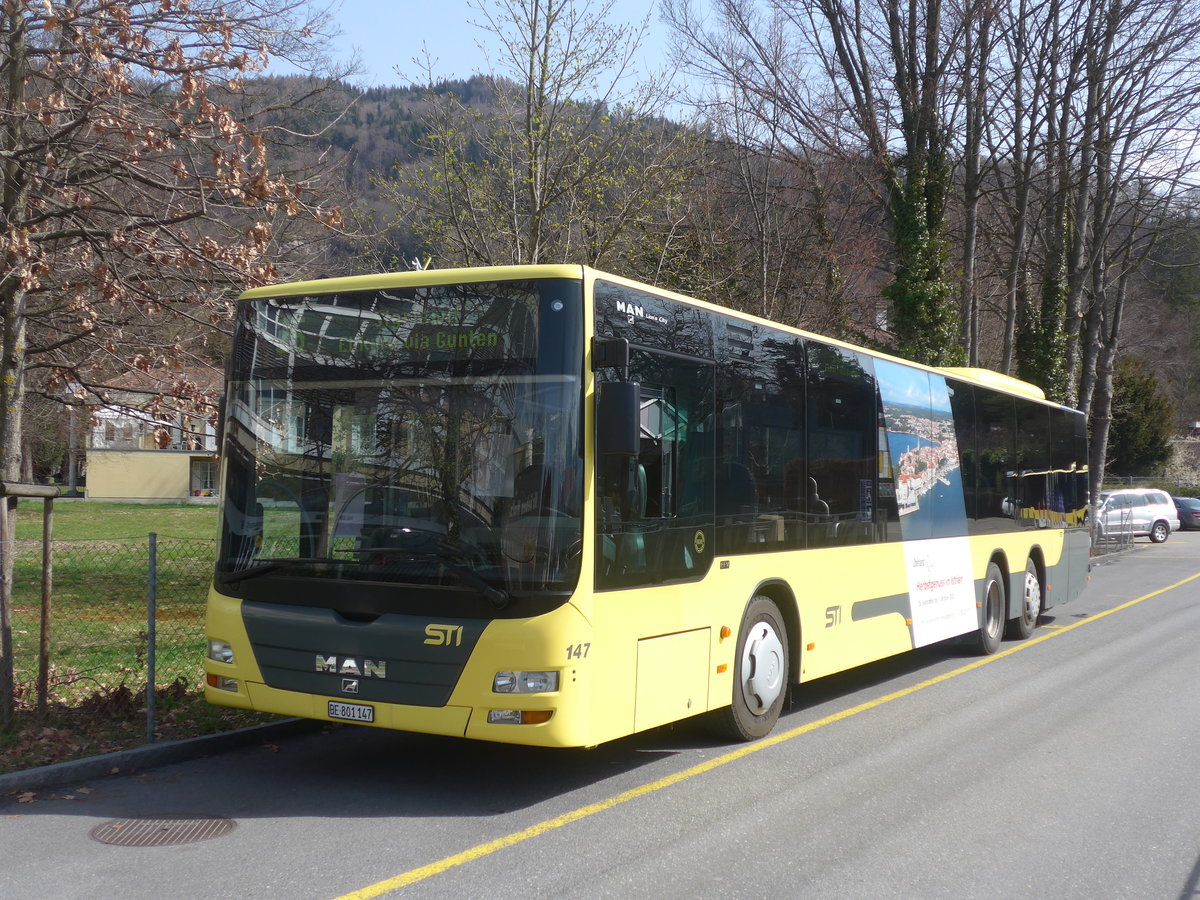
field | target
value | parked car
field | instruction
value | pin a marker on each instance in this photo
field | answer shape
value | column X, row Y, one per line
column 1140, row 512
column 1189, row 512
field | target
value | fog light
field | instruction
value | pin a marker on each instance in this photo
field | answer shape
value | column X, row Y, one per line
column 525, row 683
column 519, row 716
column 221, row 683
column 220, row 651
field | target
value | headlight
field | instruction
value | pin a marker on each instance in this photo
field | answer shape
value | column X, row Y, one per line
column 220, row 651
column 525, row 683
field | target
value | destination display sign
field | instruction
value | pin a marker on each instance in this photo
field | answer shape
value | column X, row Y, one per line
column 485, row 328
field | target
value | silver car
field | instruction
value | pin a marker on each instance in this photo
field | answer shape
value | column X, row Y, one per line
column 1140, row 512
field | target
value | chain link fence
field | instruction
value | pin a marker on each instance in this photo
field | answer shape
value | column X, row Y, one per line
column 123, row 615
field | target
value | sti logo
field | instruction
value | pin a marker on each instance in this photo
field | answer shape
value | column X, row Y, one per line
column 443, row 635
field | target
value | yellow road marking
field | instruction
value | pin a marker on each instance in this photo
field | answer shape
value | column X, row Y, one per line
column 480, row 850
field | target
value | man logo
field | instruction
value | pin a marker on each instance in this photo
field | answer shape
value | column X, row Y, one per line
column 349, row 685
column 348, row 665
column 633, row 311
column 444, row 635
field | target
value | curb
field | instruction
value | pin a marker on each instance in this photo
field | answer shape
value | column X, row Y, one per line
column 1113, row 552
column 150, row 755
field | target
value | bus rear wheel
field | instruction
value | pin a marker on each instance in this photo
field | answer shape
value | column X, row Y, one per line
column 760, row 673
column 1031, row 605
column 993, row 611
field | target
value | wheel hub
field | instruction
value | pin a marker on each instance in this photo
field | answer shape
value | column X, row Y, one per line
column 762, row 668
column 1033, row 597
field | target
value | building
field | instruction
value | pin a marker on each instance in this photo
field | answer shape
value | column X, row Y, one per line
column 155, row 439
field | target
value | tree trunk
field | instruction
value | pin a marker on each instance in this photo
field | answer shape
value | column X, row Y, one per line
column 12, row 351
column 1101, row 422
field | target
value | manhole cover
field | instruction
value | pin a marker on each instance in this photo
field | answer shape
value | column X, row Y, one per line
column 162, row 831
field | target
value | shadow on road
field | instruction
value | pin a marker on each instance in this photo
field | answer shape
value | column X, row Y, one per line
column 359, row 772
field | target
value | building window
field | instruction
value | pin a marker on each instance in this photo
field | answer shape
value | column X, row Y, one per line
column 204, row 477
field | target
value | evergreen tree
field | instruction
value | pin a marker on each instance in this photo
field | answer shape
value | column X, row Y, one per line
column 925, row 318
column 1142, row 421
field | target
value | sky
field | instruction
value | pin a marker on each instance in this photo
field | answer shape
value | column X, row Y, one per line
column 390, row 33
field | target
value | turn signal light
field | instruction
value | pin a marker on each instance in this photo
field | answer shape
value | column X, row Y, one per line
column 221, row 683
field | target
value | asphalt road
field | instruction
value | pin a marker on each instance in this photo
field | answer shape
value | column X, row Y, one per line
column 1065, row 766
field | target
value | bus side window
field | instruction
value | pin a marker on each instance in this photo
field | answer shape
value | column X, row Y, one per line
column 1033, row 463
column 655, row 509
column 760, row 466
column 843, row 426
column 995, row 435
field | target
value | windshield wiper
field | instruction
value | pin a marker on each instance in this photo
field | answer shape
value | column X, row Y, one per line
column 271, row 565
column 451, row 561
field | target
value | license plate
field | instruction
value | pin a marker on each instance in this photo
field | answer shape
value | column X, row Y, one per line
column 351, row 712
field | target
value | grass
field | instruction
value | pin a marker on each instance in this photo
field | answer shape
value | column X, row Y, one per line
column 81, row 520
column 98, row 630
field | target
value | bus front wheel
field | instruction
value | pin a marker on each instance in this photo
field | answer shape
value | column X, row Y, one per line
column 760, row 673
column 993, row 612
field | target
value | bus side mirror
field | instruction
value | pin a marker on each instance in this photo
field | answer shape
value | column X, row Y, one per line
column 611, row 353
column 618, row 418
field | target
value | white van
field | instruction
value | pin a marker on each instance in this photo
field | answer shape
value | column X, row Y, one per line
column 1141, row 512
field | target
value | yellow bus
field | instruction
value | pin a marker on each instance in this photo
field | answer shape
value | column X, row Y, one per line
column 549, row 506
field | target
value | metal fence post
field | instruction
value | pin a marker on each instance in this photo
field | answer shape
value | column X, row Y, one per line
column 8, row 715
column 151, row 615
column 43, row 677
column 9, row 491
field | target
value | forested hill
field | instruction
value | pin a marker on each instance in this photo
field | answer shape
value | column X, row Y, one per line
column 373, row 133
column 383, row 127
column 800, row 238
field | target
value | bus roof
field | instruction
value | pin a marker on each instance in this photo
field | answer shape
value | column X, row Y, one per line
column 415, row 278
column 997, row 380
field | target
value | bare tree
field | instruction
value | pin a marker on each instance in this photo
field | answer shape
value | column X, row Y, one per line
column 1093, row 130
column 785, row 234
column 134, row 181
column 1015, row 133
column 974, row 70
column 857, row 81
column 570, row 163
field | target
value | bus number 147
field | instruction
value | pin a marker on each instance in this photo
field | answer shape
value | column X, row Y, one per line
column 578, row 651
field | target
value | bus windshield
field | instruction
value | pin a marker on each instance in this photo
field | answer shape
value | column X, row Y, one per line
column 426, row 437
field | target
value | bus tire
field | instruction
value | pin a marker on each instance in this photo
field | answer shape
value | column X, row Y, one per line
column 1031, row 605
column 760, row 673
column 993, row 612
